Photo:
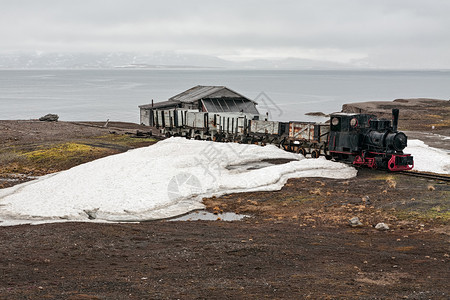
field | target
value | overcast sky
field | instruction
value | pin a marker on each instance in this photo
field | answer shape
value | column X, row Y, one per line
column 381, row 33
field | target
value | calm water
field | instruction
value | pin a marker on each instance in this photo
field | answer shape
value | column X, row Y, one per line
column 98, row 95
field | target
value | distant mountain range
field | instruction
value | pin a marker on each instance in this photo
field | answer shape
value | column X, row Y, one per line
column 160, row 60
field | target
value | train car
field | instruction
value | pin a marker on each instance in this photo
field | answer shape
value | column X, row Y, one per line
column 307, row 138
column 203, row 125
column 234, row 127
column 267, row 132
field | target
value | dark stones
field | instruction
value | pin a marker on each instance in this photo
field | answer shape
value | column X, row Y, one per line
column 49, row 118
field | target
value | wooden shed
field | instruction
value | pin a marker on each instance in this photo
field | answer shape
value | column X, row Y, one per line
column 201, row 98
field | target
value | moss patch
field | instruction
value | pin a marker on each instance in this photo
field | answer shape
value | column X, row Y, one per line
column 434, row 209
column 63, row 156
column 59, row 152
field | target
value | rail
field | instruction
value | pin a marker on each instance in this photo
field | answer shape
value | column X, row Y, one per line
column 433, row 176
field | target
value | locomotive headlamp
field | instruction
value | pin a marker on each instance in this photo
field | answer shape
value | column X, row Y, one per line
column 334, row 121
column 354, row 122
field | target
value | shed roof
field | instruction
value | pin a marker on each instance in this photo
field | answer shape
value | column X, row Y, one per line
column 199, row 92
column 163, row 104
column 229, row 105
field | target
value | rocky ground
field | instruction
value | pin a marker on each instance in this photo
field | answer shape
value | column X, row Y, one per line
column 297, row 242
column 421, row 114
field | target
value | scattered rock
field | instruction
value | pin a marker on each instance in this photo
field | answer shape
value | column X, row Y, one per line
column 49, row 118
column 355, row 222
column 366, row 200
column 217, row 210
column 382, row 226
column 391, row 182
column 315, row 192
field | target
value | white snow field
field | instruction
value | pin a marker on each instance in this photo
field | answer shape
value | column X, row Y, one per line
column 170, row 178
column 163, row 180
column 428, row 159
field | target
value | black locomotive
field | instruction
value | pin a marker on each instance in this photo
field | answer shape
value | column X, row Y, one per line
column 364, row 140
column 360, row 139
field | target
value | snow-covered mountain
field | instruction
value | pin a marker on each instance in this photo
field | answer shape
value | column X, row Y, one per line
column 39, row 60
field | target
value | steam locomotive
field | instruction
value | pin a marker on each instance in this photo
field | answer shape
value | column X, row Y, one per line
column 364, row 140
column 360, row 139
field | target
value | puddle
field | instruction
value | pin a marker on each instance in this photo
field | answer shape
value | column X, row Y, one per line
column 201, row 215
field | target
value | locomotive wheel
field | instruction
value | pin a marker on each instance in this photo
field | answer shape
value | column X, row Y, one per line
column 315, row 154
column 197, row 137
column 301, row 151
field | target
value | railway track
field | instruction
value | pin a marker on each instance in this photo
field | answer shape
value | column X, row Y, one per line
column 445, row 178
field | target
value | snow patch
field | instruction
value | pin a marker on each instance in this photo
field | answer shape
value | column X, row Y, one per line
column 167, row 179
column 428, row 159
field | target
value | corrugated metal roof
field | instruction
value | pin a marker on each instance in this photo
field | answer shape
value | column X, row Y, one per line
column 168, row 103
column 217, row 98
column 196, row 93
column 199, row 92
column 229, row 105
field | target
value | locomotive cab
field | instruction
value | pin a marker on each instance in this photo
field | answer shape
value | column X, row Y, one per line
column 345, row 133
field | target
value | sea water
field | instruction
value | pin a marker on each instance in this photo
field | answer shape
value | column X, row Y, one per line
column 114, row 94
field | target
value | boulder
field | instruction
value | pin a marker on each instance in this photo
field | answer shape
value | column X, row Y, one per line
column 355, row 222
column 382, row 226
column 49, row 118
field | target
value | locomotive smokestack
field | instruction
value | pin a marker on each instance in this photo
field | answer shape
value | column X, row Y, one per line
column 394, row 119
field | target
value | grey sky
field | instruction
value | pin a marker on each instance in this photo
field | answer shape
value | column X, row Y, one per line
column 381, row 33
